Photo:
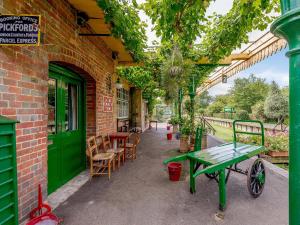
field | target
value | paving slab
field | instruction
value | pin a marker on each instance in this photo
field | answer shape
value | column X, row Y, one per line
column 139, row 193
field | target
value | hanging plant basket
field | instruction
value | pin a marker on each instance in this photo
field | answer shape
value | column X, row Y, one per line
column 175, row 71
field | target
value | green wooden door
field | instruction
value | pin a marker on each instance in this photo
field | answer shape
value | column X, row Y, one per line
column 66, row 128
column 8, row 173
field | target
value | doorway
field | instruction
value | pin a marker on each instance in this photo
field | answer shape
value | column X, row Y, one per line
column 66, row 126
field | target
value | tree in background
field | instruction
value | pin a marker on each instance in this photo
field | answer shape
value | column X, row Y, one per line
column 202, row 101
column 218, row 105
column 258, row 110
column 246, row 92
column 276, row 104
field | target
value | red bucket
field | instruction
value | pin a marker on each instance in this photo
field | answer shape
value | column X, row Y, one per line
column 168, row 127
column 169, row 136
column 174, row 171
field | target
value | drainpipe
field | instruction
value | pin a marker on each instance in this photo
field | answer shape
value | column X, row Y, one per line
column 288, row 27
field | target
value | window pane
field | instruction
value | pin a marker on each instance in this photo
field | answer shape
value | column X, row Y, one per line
column 122, row 103
column 51, row 106
column 71, row 107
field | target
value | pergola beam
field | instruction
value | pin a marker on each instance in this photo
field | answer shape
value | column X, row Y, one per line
column 204, row 61
column 226, row 61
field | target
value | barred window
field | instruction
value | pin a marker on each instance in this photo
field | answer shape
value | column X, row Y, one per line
column 122, row 101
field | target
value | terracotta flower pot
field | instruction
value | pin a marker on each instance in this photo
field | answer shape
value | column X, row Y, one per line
column 204, row 141
column 184, row 144
column 275, row 154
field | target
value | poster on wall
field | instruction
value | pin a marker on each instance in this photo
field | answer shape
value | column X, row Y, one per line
column 107, row 104
column 20, row 30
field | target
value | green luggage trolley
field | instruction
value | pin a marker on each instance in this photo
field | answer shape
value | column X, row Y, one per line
column 218, row 162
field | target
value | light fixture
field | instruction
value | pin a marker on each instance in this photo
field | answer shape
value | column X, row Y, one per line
column 224, row 79
column 119, row 85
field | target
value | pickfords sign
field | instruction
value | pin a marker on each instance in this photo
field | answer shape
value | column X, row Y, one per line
column 20, row 30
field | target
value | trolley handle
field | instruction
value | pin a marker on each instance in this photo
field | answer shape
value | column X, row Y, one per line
column 261, row 133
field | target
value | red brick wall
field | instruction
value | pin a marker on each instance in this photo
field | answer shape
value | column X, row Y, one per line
column 23, row 87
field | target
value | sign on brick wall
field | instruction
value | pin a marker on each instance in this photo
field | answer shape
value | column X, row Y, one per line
column 20, row 30
column 107, row 104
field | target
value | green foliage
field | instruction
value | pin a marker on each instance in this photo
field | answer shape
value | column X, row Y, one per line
column 278, row 142
column 203, row 99
column 126, row 24
column 140, row 77
column 228, row 32
column 187, row 107
column 242, row 115
column 276, row 104
column 174, row 120
column 246, row 92
column 219, row 103
column 160, row 115
column 147, row 78
column 258, row 111
column 186, row 127
column 177, row 20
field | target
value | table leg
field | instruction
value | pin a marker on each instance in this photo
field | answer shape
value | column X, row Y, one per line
column 192, row 179
column 222, row 190
column 156, row 125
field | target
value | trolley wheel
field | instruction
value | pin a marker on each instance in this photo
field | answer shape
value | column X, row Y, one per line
column 256, row 178
column 210, row 175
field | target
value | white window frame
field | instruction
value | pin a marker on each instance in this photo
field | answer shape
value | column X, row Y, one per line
column 123, row 103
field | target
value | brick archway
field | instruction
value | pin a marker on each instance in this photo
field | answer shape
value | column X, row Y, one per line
column 90, row 95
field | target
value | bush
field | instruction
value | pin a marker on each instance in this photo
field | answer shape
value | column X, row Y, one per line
column 278, row 142
column 174, row 120
column 242, row 115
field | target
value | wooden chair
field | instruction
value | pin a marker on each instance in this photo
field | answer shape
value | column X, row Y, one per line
column 119, row 152
column 99, row 162
column 132, row 146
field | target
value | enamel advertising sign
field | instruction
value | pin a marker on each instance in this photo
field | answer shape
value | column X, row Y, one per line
column 20, row 30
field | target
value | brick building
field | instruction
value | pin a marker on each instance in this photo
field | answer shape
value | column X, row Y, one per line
column 57, row 92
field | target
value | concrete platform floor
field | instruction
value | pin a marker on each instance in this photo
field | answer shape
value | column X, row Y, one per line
column 139, row 193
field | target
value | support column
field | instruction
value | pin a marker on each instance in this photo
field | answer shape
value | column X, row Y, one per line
column 288, row 27
column 180, row 97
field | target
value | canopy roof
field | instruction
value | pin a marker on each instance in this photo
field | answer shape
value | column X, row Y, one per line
column 263, row 47
column 97, row 23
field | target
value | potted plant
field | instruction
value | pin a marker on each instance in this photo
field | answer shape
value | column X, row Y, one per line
column 185, row 131
column 174, row 121
column 277, row 146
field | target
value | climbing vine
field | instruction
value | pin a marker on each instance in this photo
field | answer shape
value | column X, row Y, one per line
column 223, row 34
column 146, row 78
column 179, row 20
column 126, row 24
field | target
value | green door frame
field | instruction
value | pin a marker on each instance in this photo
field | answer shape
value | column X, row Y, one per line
column 70, row 76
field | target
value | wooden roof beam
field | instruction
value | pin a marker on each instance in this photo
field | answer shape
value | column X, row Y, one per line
column 225, row 61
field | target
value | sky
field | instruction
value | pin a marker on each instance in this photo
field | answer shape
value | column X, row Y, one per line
column 272, row 68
